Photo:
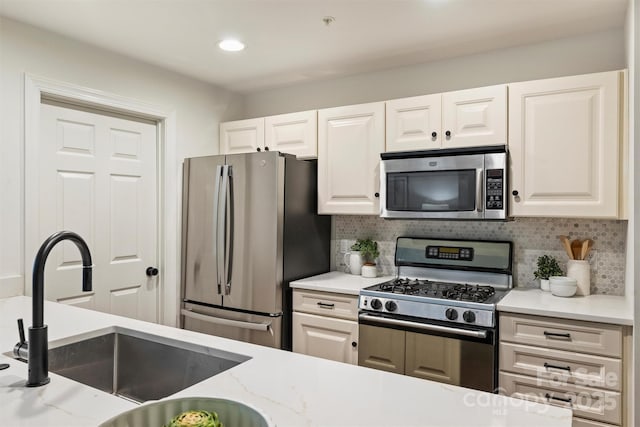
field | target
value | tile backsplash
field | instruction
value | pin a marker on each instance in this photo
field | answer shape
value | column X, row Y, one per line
column 531, row 238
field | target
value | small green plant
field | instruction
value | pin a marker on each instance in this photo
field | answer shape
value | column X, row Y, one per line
column 547, row 267
column 368, row 249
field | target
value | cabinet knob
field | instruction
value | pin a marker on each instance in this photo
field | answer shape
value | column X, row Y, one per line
column 448, row 133
column 266, row 148
column 434, row 135
column 354, row 344
column 377, row 194
column 152, row 271
column 258, row 149
column 515, row 193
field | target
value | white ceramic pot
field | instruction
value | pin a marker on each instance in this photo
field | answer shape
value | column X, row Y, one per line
column 562, row 286
column 353, row 261
column 369, row 271
column 544, row 285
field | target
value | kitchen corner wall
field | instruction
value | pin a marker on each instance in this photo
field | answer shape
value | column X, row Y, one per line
column 531, row 238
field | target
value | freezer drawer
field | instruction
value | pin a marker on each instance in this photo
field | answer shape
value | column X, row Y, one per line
column 262, row 330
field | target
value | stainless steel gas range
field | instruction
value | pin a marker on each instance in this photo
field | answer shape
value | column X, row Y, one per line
column 437, row 320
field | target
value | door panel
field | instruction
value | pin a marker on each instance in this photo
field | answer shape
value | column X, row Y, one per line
column 381, row 348
column 199, row 234
column 433, row 358
column 97, row 177
column 325, row 337
column 412, row 122
column 255, row 235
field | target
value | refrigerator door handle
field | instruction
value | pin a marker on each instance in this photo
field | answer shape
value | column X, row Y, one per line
column 263, row 326
column 229, row 248
column 219, row 254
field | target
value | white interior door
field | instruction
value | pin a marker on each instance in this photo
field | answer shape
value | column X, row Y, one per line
column 97, row 177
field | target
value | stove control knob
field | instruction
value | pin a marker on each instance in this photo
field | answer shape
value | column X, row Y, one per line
column 376, row 304
column 451, row 314
column 391, row 306
column 469, row 316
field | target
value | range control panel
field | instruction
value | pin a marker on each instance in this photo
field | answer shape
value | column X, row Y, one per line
column 495, row 189
column 449, row 252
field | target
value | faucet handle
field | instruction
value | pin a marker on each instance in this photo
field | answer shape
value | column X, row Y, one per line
column 21, row 331
column 21, row 350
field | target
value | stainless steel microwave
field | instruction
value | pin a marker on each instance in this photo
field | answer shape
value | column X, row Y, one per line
column 464, row 183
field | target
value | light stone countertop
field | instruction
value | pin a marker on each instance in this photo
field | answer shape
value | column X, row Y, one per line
column 292, row 389
column 595, row 308
column 338, row 282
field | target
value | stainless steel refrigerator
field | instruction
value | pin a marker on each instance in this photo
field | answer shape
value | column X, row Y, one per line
column 249, row 227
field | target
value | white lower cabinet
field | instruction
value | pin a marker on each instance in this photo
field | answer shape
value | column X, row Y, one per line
column 326, row 337
column 573, row 364
column 326, row 325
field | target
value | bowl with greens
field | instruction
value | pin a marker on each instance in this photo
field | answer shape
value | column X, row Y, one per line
column 191, row 412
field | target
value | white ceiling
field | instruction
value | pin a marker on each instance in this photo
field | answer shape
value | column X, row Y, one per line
column 287, row 41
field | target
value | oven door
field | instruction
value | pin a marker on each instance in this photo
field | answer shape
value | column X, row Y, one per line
column 436, row 351
column 433, row 187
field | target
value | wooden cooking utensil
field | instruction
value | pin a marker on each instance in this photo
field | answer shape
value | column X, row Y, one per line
column 567, row 246
column 586, row 248
column 576, row 248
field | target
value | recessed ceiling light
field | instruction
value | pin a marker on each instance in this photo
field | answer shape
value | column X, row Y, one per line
column 231, row 45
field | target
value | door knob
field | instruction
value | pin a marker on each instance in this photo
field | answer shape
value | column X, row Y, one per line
column 152, row 271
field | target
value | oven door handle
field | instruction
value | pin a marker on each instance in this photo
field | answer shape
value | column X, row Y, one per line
column 423, row 326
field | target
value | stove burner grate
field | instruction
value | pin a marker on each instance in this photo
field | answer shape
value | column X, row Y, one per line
column 443, row 290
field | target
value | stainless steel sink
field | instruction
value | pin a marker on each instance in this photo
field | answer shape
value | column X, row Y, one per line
column 138, row 366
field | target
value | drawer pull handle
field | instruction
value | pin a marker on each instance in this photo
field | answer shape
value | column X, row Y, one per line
column 326, row 305
column 561, row 399
column 564, row 368
column 556, row 335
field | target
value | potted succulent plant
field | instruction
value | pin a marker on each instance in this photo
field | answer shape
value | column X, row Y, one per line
column 547, row 266
column 369, row 252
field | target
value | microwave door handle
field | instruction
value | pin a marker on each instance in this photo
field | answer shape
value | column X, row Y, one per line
column 480, row 190
column 229, row 219
column 216, row 221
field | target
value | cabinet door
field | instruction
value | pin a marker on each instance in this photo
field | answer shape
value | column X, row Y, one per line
column 294, row 133
column 325, row 337
column 475, row 117
column 414, row 123
column 382, row 348
column 433, row 358
column 350, row 140
column 241, row 136
column 564, row 145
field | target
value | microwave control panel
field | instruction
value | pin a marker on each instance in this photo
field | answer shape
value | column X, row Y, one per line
column 495, row 189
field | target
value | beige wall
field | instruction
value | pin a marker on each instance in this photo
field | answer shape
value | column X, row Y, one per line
column 199, row 108
column 577, row 55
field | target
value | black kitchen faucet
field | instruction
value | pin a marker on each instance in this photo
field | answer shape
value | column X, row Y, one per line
column 38, row 345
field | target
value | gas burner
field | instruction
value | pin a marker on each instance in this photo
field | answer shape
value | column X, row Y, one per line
column 399, row 286
column 474, row 293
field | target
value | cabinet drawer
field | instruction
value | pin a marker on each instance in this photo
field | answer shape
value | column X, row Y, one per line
column 581, row 422
column 561, row 366
column 548, row 332
column 598, row 405
column 326, row 304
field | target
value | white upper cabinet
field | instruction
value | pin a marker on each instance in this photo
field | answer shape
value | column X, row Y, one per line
column 564, row 144
column 475, row 117
column 464, row 118
column 292, row 133
column 241, row 136
column 350, row 140
column 414, row 123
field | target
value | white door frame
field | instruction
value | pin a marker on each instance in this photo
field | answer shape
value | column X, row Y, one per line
column 36, row 88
